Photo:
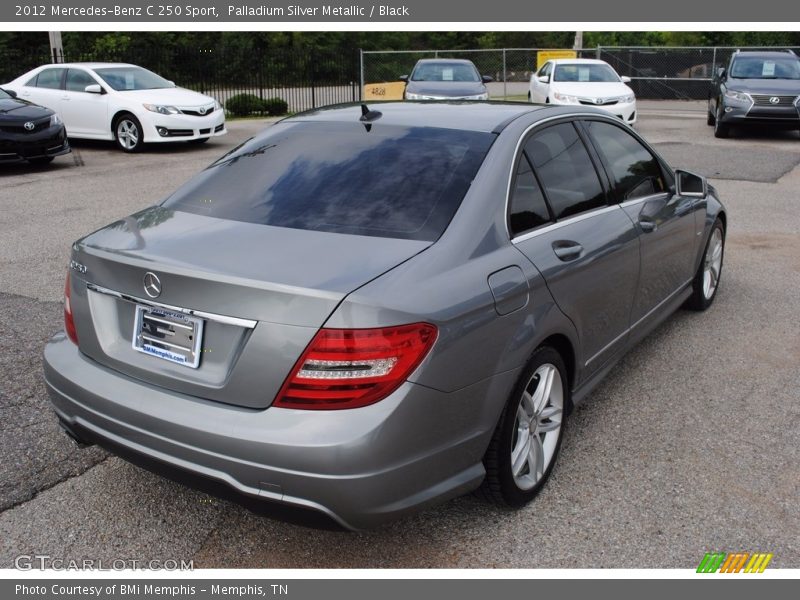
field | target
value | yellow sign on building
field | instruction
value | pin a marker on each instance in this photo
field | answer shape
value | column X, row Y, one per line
column 542, row 56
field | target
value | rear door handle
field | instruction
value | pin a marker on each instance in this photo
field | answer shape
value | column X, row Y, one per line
column 567, row 250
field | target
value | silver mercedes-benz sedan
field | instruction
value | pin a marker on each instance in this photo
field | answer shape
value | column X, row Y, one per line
column 365, row 310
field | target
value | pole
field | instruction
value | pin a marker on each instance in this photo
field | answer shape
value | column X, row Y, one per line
column 56, row 47
column 361, row 70
column 505, row 76
column 578, row 45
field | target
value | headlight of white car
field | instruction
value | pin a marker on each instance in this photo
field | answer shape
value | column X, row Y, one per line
column 565, row 98
column 410, row 96
column 217, row 105
column 55, row 120
column 738, row 96
column 162, row 109
column 484, row 96
column 628, row 99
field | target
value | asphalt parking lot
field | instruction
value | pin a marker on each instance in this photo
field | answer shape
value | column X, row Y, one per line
column 690, row 445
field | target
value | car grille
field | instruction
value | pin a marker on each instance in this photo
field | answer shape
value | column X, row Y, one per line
column 592, row 102
column 766, row 100
column 20, row 127
column 195, row 112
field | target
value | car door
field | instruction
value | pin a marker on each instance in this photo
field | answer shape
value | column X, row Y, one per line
column 586, row 249
column 643, row 187
column 46, row 88
column 84, row 113
column 540, row 90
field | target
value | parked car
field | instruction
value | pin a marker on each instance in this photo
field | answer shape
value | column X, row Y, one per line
column 756, row 88
column 367, row 310
column 29, row 132
column 583, row 81
column 121, row 102
column 445, row 79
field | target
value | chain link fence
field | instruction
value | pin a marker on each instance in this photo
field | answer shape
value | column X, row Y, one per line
column 660, row 73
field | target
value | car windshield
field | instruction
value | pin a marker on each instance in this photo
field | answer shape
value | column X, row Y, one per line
column 445, row 71
column 753, row 67
column 588, row 73
column 124, row 79
column 383, row 181
column 4, row 95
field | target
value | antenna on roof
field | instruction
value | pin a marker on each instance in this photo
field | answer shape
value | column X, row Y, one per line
column 368, row 115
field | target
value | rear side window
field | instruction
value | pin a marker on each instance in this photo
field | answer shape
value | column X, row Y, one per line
column 528, row 208
column 50, row 79
column 566, row 171
column 337, row 177
column 634, row 169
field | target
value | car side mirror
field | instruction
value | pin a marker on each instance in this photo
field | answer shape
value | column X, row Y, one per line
column 721, row 72
column 94, row 88
column 487, row 79
column 690, row 184
column 403, row 78
column 625, row 79
column 11, row 93
column 544, row 78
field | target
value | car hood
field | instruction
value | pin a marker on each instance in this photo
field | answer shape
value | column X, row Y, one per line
column 13, row 110
column 171, row 96
column 765, row 86
column 600, row 89
column 449, row 89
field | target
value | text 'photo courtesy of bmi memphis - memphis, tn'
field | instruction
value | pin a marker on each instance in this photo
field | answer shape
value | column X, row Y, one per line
column 370, row 308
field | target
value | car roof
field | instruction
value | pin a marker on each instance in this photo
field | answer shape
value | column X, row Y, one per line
column 462, row 61
column 586, row 61
column 464, row 115
column 766, row 53
column 90, row 65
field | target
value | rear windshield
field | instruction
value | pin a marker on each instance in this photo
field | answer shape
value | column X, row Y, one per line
column 342, row 178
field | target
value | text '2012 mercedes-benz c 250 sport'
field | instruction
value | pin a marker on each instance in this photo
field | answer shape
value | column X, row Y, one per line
column 365, row 310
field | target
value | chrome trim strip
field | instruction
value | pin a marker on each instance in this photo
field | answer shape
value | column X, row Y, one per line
column 246, row 323
column 607, row 346
column 664, row 301
column 635, row 325
column 635, row 201
column 559, row 224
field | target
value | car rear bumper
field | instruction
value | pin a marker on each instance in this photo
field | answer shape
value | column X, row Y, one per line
column 43, row 144
column 361, row 467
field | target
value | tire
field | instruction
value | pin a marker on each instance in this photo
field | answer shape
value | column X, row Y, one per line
column 501, row 485
column 530, row 99
column 710, row 118
column 721, row 130
column 706, row 281
column 128, row 133
column 199, row 141
column 41, row 161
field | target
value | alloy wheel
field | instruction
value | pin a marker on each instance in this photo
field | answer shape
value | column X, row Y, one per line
column 537, row 426
column 127, row 134
column 712, row 264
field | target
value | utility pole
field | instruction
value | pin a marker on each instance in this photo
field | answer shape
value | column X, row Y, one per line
column 56, row 47
column 578, row 45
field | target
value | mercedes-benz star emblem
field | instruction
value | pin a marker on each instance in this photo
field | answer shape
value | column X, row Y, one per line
column 152, row 285
column 774, row 100
column 30, row 126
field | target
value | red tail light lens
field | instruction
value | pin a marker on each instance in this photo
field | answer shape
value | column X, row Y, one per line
column 69, row 323
column 350, row 368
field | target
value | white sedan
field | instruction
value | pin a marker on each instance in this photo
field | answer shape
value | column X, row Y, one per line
column 121, row 102
column 584, row 81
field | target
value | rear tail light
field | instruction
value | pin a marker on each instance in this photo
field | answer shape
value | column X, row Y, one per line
column 350, row 368
column 69, row 322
